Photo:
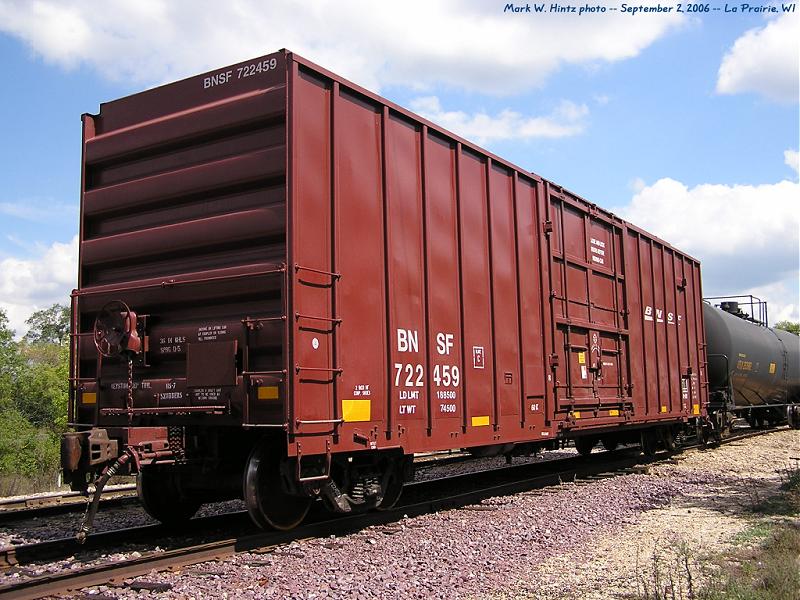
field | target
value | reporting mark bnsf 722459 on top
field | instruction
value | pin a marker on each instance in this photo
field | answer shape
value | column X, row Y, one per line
column 288, row 286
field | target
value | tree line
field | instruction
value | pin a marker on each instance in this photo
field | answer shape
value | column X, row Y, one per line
column 34, row 390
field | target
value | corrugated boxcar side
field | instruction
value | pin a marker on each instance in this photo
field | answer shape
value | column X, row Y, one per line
column 627, row 330
column 444, row 298
column 397, row 321
column 665, row 303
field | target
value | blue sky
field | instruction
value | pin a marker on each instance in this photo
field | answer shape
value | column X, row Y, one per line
column 687, row 125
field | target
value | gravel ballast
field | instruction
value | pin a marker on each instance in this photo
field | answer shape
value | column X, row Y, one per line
column 576, row 540
column 37, row 529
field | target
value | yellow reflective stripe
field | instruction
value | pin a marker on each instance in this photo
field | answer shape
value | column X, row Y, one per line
column 268, row 392
column 613, row 412
column 89, row 398
column 695, row 409
column 663, row 409
column 480, row 421
column 356, row 410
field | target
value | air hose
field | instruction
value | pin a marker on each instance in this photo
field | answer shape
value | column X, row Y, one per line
column 100, row 483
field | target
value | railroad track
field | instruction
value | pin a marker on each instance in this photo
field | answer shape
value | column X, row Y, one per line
column 418, row 498
column 15, row 509
column 58, row 503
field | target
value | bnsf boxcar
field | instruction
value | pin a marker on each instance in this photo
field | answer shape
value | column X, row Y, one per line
column 289, row 285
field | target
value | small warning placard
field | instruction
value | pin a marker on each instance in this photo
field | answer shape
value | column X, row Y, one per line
column 478, row 357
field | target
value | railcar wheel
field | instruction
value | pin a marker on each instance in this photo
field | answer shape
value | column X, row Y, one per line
column 393, row 490
column 760, row 419
column 649, row 443
column 668, row 439
column 701, row 433
column 269, row 505
column 584, row 445
column 161, row 497
column 609, row 444
column 794, row 417
column 772, row 418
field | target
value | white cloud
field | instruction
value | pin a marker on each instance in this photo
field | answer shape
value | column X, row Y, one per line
column 637, row 184
column 746, row 236
column 566, row 120
column 468, row 44
column 764, row 60
column 37, row 209
column 792, row 159
column 27, row 285
column 782, row 299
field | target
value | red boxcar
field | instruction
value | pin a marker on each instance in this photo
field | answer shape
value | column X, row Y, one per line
column 312, row 265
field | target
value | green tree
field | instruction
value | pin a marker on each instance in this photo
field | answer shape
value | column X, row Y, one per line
column 49, row 325
column 25, row 449
column 10, row 361
column 34, row 383
column 42, row 386
column 790, row 326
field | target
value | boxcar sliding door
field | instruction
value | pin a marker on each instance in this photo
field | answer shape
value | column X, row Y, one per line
column 590, row 361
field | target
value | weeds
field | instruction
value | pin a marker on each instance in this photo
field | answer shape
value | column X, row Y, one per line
column 770, row 572
column 755, row 533
column 15, row 485
column 790, row 476
column 668, row 578
column 788, row 502
column 768, row 568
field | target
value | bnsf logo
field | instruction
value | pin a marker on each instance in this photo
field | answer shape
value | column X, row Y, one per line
column 218, row 79
column 659, row 315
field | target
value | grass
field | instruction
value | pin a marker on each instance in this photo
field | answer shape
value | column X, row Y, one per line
column 755, row 533
column 771, row 570
column 765, row 565
column 16, row 485
column 768, row 572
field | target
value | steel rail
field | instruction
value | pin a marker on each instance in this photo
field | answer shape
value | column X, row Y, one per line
column 17, row 509
column 461, row 492
column 61, row 548
column 426, row 498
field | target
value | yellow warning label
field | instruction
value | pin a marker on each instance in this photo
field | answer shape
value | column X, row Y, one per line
column 613, row 412
column 695, row 409
column 576, row 414
column 480, row 421
column 582, row 358
column 771, row 368
column 663, row 409
column 355, row 410
column 268, row 392
column 89, row 398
